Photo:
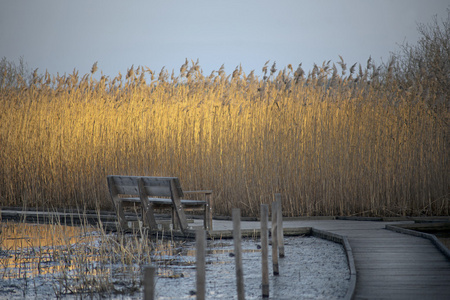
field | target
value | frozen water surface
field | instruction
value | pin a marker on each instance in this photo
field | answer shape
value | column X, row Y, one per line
column 312, row 269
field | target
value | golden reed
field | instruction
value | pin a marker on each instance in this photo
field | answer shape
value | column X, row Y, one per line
column 332, row 143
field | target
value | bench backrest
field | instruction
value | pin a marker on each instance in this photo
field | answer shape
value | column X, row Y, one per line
column 154, row 186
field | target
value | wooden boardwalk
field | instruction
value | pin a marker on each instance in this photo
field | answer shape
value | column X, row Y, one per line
column 389, row 265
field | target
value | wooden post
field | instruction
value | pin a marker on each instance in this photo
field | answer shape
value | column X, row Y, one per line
column 280, row 225
column 208, row 213
column 200, row 240
column 264, row 249
column 275, row 238
column 149, row 282
column 236, row 214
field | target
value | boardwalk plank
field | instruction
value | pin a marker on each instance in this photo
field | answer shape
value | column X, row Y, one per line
column 416, row 280
column 393, row 248
column 400, row 294
column 412, row 258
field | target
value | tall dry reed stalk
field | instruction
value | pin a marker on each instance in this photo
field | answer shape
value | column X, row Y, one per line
column 332, row 143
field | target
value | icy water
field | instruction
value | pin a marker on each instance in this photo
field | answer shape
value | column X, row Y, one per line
column 54, row 261
column 312, row 269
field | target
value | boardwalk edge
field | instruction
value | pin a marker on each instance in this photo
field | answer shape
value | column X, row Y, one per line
column 431, row 237
column 337, row 238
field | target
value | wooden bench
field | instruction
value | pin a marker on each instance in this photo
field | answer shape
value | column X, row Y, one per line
column 152, row 193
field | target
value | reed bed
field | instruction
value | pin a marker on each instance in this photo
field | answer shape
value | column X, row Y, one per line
column 332, row 142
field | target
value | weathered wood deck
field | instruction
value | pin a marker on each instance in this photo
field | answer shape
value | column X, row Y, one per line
column 391, row 265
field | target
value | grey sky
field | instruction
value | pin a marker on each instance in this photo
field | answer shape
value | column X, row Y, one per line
column 61, row 35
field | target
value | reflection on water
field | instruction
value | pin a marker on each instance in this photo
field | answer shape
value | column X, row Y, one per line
column 23, row 235
column 27, row 250
column 86, row 255
column 75, row 260
column 84, row 259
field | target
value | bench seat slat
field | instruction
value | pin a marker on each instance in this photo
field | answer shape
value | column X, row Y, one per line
column 167, row 202
column 157, row 186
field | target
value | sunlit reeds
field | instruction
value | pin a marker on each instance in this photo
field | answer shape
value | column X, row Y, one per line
column 333, row 142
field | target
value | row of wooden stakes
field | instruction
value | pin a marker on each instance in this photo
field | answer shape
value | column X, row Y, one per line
column 200, row 239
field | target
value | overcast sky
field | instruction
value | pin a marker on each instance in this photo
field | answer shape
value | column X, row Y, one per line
column 60, row 35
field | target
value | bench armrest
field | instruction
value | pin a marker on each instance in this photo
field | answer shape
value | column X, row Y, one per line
column 208, row 209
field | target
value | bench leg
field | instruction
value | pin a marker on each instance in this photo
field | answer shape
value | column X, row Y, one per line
column 120, row 215
column 148, row 215
column 175, row 224
column 177, row 207
column 122, row 222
